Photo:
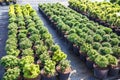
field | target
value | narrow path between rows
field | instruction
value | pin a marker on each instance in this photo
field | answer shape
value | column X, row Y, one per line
column 3, row 33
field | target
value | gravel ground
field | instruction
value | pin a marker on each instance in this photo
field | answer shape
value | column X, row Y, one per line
column 80, row 71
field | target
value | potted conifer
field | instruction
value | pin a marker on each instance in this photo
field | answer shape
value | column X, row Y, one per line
column 49, row 72
column 113, row 63
column 101, row 67
column 31, row 72
column 64, row 69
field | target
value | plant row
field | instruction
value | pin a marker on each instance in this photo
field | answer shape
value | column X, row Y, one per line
column 96, row 44
column 105, row 13
column 7, row 2
column 31, row 52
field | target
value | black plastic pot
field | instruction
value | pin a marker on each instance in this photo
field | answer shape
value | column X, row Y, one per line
column 114, row 71
column 14, row 2
column 49, row 78
column 100, row 73
column 63, row 76
column 82, row 57
column 7, row 3
column 0, row 3
column 89, row 63
column 76, row 49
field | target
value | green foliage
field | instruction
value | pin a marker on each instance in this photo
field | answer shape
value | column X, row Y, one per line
column 14, row 52
column 115, row 1
column 64, row 64
column 79, row 41
column 58, row 56
column 39, row 42
column 97, row 38
column 49, row 67
column 12, row 19
column 12, row 31
column 100, row 32
column 34, row 37
column 113, row 35
column 21, row 35
column 11, row 74
column 72, row 37
column 96, row 45
column 27, row 52
column 116, row 51
column 46, row 36
column 105, row 50
column 85, row 48
column 65, row 28
column 26, row 60
column 33, row 30
column 41, row 49
column 107, row 30
column 9, row 61
column 92, row 54
column 31, row 71
column 24, row 31
column 21, row 23
column 89, row 39
column 102, row 61
column 106, row 37
column 25, row 43
column 43, row 30
column 112, row 60
column 106, row 44
column 44, row 56
column 114, row 41
column 55, row 47
column 12, row 26
column 48, row 42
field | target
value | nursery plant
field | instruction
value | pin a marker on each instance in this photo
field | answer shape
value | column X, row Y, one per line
column 64, row 66
column 9, row 61
column 41, row 49
column 26, row 60
column 31, row 71
column 116, row 51
column 55, row 48
column 27, row 52
column 25, row 43
column 85, row 48
column 112, row 60
column 101, row 61
column 92, row 54
column 14, row 52
column 43, row 57
column 49, row 68
column 105, row 50
column 12, row 74
column 58, row 56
